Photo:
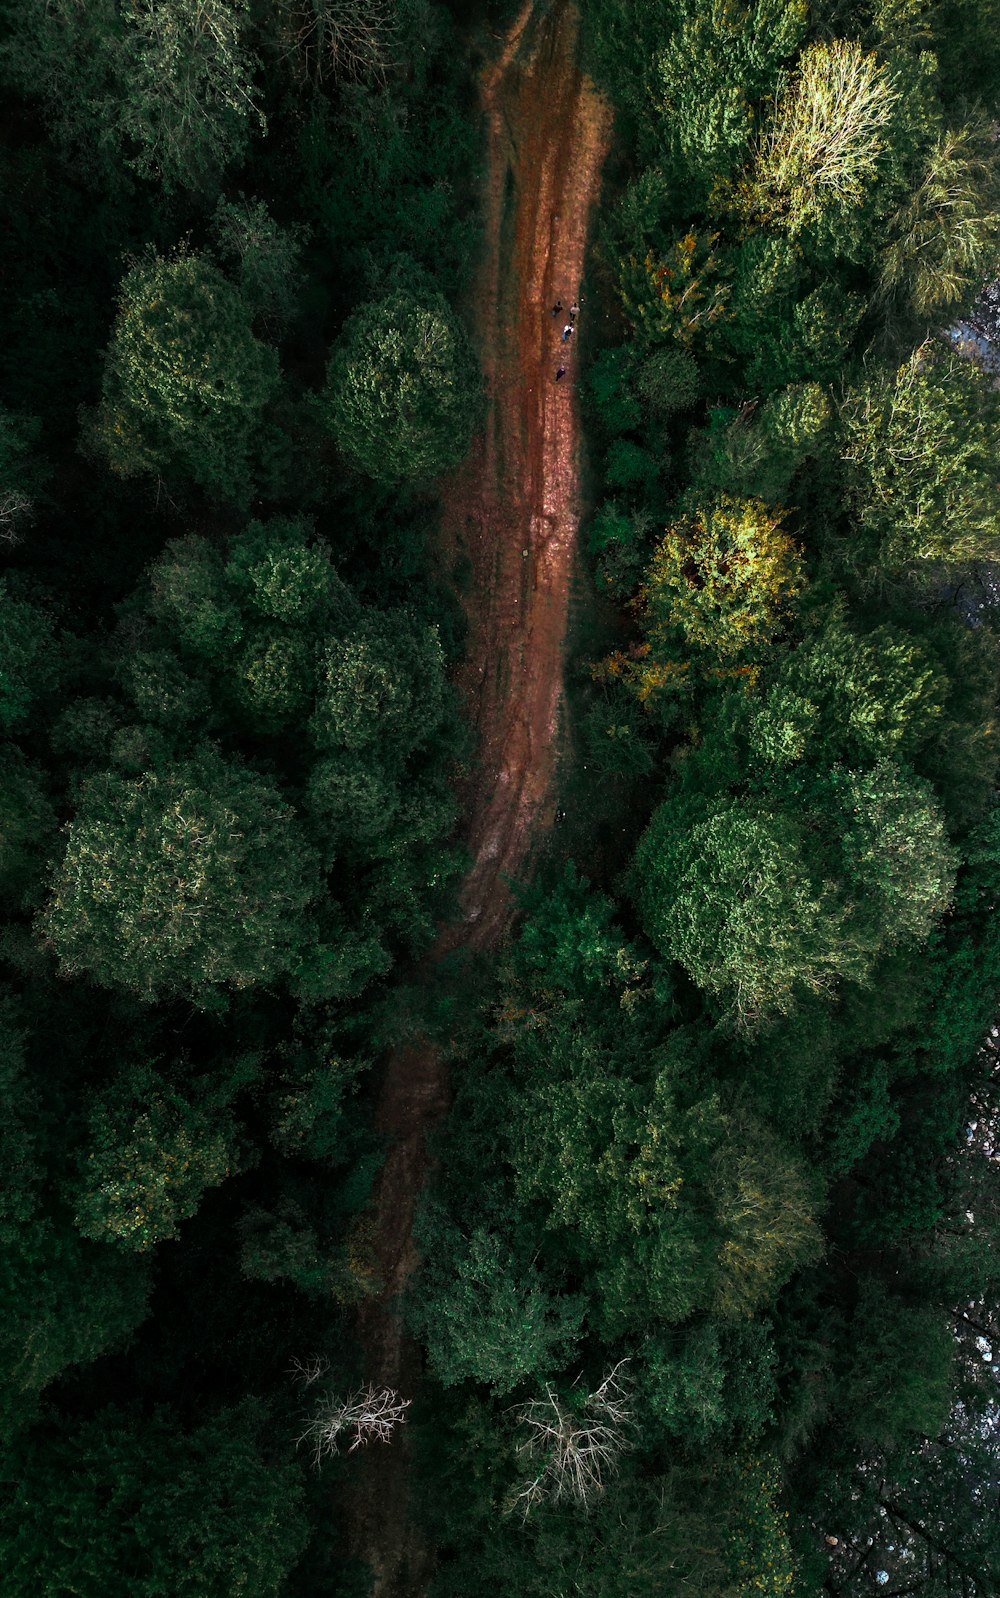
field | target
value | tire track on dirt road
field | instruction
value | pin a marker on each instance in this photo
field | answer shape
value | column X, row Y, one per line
column 511, row 512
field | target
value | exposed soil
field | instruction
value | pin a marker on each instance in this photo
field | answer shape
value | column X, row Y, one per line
column 514, row 509
column 510, row 516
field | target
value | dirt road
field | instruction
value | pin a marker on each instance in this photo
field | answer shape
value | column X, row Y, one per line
column 510, row 515
column 514, row 509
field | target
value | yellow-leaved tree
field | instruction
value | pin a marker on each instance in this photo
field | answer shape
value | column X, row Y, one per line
column 722, row 578
column 824, row 139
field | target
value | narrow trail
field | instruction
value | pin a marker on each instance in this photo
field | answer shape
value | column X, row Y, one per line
column 510, row 515
column 515, row 507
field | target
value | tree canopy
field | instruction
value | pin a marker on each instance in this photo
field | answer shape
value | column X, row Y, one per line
column 403, row 386
column 185, row 380
column 701, row 1296
column 182, row 882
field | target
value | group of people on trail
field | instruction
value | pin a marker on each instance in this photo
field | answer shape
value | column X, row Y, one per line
column 567, row 332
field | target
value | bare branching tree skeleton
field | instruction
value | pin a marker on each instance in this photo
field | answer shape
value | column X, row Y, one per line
column 574, row 1448
column 369, row 1415
column 339, row 38
column 309, row 1370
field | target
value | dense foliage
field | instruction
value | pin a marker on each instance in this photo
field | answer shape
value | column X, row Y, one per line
column 711, row 1140
column 227, row 791
column 708, row 1287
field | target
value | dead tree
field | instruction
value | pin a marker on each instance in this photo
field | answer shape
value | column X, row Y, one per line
column 573, row 1448
column 370, row 1414
column 310, row 1370
column 339, row 38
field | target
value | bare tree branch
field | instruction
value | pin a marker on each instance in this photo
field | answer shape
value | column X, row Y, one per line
column 574, row 1448
column 370, row 1414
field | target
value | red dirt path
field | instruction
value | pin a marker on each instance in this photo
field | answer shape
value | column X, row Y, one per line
column 512, row 511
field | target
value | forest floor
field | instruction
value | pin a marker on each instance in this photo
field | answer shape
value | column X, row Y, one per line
column 510, row 518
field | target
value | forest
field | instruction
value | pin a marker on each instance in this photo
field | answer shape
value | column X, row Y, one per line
column 707, row 1301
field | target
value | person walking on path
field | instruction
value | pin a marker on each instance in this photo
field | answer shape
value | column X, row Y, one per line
column 567, row 333
column 574, row 311
column 560, row 373
column 557, row 307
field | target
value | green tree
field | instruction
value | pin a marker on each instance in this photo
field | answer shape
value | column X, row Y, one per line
column 130, row 1501
column 403, row 392
column 612, row 1133
column 150, row 1153
column 185, row 381
column 29, row 661
column 27, row 824
column 709, row 1380
column 898, row 1367
column 668, row 381
column 485, row 1316
column 897, row 857
column 729, row 891
column 63, row 1301
column 856, row 697
column 766, row 1205
column 181, row 882
column 761, row 453
column 283, row 1244
column 682, row 1381
column 187, row 596
column 284, row 573
column 715, row 62
column 22, row 474
column 262, row 257
column 381, row 682
column 760, row 1554
column 189, row 102
column 946, row 235
column 920, row 447
column 162, row 86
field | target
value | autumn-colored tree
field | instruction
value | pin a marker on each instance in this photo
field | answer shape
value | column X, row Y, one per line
column 723, row 579
column 681, row 297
